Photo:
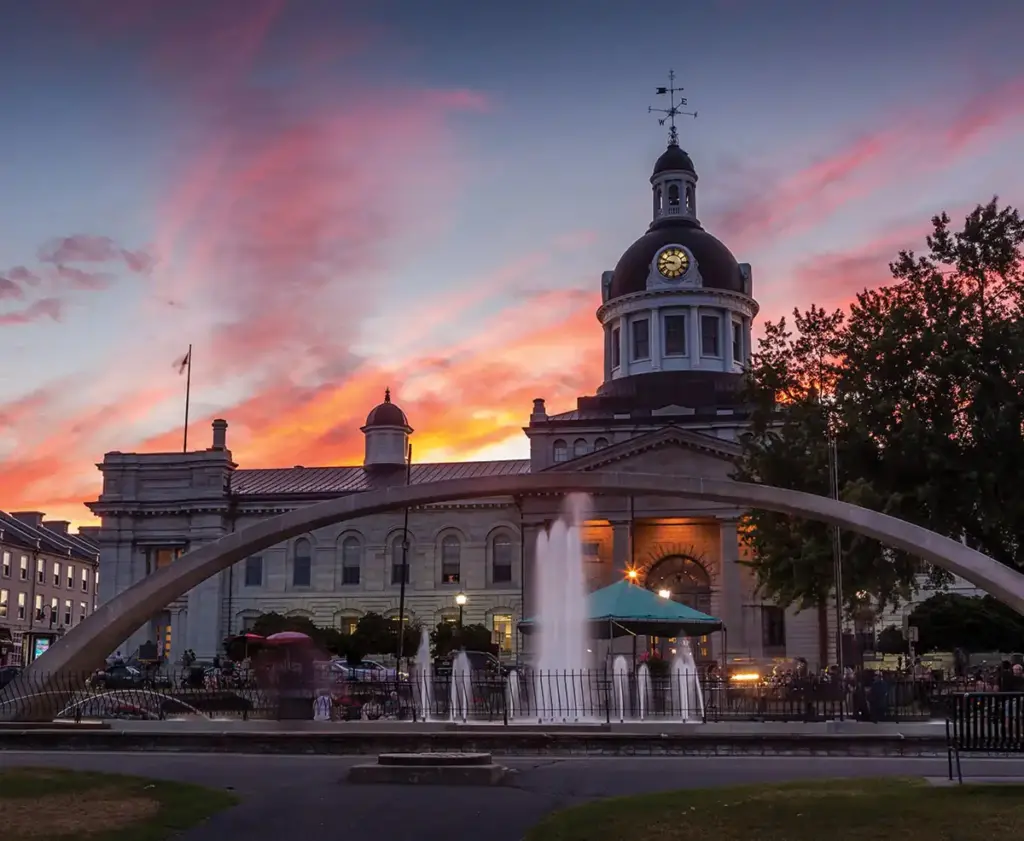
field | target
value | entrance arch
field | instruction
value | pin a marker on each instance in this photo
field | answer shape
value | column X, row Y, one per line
column 685, row 579
column 89, row 642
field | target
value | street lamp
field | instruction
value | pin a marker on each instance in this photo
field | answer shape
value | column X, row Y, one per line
column 460, row 600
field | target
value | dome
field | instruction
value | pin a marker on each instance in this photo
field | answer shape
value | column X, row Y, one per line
column 673, row 158
column 715, row 261
column 386, row 414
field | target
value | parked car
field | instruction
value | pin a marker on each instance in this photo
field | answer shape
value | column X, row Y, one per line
column 367, row 670
column 123, row 676
column 481, row 663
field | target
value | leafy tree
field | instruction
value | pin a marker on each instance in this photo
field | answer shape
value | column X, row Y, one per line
column 448, row 637
column 948, row 621
column 891, row 641
column 921, row 388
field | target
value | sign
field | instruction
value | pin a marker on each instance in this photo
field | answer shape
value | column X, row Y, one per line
column 912, row 633
column 40, row 645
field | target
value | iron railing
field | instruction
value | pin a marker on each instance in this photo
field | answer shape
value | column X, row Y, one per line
column 525, row 696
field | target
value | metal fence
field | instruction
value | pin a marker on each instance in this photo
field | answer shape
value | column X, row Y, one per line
column 516, row 697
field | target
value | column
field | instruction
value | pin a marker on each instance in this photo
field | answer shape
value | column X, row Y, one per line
column 731, row 586
column 622, row 549
column 654, row 320
column 694, row 337
column 623, row 346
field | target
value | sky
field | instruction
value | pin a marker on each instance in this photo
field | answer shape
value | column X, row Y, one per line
column 327, row 198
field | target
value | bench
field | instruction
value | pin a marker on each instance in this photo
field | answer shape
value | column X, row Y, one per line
column 984, row 722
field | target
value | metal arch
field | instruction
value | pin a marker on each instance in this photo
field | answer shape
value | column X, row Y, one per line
column 88, row 643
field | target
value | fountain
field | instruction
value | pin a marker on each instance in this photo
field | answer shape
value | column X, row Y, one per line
column 424, row 677
column 686, row 694
column 512, row 696
column 620, row 682
column 561, row 690
column 462, row 689
column 644, row 690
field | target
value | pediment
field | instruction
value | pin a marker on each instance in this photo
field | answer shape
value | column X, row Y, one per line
column 668, row 450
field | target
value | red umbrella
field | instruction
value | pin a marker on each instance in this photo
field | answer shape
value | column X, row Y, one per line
column 287, row 638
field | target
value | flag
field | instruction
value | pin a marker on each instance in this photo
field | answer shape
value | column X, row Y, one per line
column 182, row 363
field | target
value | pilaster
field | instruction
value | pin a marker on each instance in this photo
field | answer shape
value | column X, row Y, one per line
column 731, row 587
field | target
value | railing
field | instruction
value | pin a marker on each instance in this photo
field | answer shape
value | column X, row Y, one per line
column 984, row 722
column 517, row 697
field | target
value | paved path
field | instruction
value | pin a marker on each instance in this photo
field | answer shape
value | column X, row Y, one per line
column 304, row 797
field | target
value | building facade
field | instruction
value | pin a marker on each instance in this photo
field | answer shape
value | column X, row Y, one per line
column 675, row 322
column 48, row 583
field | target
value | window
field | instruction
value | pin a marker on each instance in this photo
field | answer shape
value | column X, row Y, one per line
column 501, row 560
column 591, row 552
column 600, row 443
column 54, row 607
column 675, row 335
column 71, row 577
column 560, row 452
column 773, row 626
column 83, row 610
column 159, row 558
column 254, row 571
column 502, row 625
column 689, row 199
column 302, row 563
column 351, row 561
column 38, row 607
column 21, row 605
column 673, row 195
column 85, row 580
column 6, row 569
column 348, row 624
column 399, row 567
column 23, row 568
column 641, row 339
column 616, row 347
column 4, row 596
column 709, row 340
column 56, row 574
column 40, row 571
column 737, row 342
column 579, row 447
column 451, row 559
column 67, row 613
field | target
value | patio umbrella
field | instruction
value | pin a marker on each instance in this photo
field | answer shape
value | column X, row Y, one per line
column 288, row 638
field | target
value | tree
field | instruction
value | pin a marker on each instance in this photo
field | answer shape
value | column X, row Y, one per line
column 948, row 621
column 921, row 388
column 448, row 637
column 891, row 641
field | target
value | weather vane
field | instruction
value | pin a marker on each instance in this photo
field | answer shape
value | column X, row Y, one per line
column 673, row 110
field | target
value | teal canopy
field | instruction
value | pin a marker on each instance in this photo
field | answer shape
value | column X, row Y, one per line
column 627, row 608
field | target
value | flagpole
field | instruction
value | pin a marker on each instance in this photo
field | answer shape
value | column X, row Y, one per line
column 188, row 394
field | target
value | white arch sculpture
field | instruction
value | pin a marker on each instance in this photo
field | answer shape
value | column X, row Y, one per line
column 83, row 648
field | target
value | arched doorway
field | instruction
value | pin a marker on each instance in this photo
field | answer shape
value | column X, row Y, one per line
column 687, row 582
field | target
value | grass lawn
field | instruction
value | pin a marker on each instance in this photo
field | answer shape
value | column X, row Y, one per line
column 837, row 810
column 51, row 804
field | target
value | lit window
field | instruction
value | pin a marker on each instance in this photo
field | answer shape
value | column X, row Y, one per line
column 21, row 605
column 451, row 559
column 23, row 568
column 85, row 580
column 71, row 577
column 502, row 625
column 39, row 607
column 56, row 574
column 6, row 569
column 83, row 610
column 4, row 596
column 351, row 561
column 40, row 571
column 67, row 613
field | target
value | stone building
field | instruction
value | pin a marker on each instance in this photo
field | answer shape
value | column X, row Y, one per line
column 48, row 582
column 675, row 321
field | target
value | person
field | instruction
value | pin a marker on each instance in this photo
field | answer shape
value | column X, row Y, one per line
column 322, row 707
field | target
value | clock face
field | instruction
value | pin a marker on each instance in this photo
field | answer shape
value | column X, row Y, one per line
column 673, row 263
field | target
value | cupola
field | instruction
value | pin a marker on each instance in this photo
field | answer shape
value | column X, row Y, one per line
column 386, row 433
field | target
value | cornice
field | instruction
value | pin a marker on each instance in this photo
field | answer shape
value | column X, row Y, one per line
column 616, row 306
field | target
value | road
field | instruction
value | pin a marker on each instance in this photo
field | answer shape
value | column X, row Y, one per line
column 289, row 796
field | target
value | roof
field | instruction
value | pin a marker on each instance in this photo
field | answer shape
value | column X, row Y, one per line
column 717, row 266
column 345, row 480
column 673, row 159
column 636, row 610
column 45, row 540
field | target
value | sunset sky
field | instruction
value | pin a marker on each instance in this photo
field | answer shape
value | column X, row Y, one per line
column 327, row 198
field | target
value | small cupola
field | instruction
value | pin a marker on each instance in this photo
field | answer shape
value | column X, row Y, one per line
column 386, row 433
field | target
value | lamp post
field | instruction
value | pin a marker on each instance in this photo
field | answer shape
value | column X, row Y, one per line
column 460, row 600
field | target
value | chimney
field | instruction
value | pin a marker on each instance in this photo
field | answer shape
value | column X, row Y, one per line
column 539, row 412
column 220, row 435
column 59, row 526
column 32, row 519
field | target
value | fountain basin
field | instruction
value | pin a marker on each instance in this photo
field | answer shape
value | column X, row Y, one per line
column 451, row 769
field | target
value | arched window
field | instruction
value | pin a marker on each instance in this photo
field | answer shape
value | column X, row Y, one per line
column 600, row 443
column 501, row 559
column 686, row 581
column 657, row 201
column 451, row 559
column 689, row 199
column 399, row 561
column 560, row 451
column 580, row 448
column 351, row 560
column 302, row 563
column 673, row 195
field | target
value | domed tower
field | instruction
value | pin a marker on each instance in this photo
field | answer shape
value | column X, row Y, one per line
column 677, row 309
column 387, row 433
